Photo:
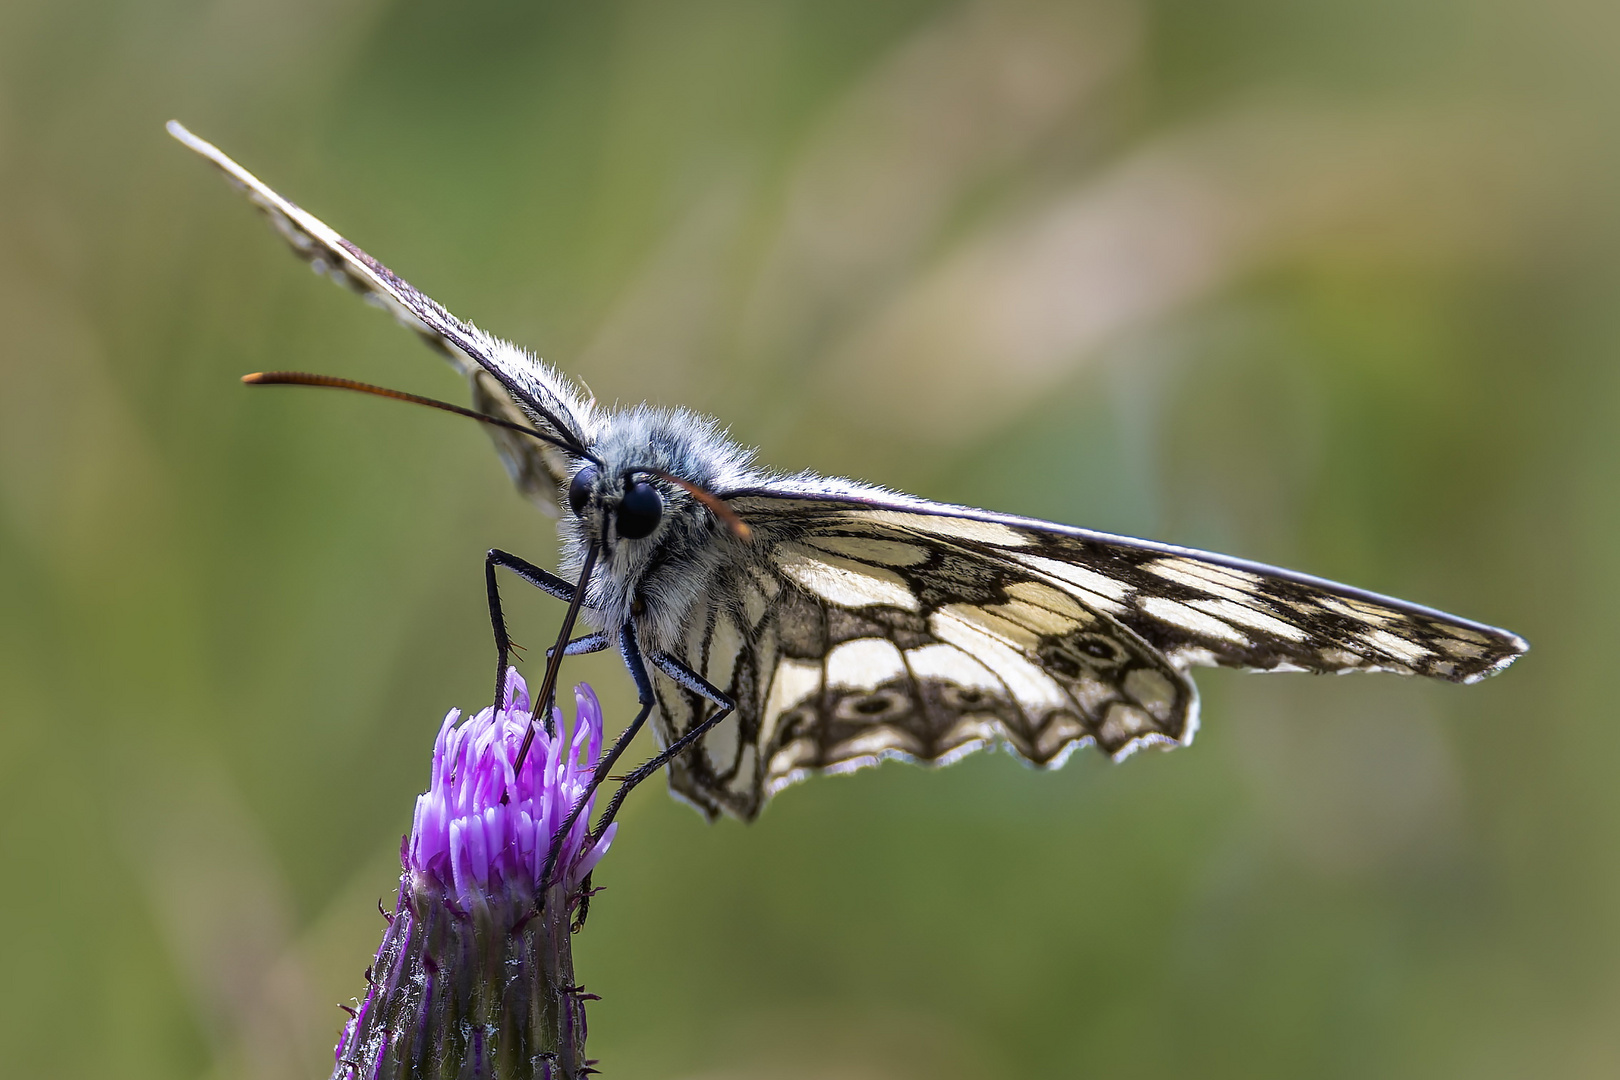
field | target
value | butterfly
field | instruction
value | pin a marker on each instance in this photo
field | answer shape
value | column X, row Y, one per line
column 804, row 625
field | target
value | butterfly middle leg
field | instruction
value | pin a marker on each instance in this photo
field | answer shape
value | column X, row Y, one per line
column 631, row 651
column 690, row 680
column 564, row 590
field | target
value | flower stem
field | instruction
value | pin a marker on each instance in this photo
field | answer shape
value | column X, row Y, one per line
column 485, row 991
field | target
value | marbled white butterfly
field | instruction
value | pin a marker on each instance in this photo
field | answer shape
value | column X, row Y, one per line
column 838, row 624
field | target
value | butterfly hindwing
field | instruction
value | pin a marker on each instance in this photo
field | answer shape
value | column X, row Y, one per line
column 539, row 471
column 721, row 773
column 842, row 648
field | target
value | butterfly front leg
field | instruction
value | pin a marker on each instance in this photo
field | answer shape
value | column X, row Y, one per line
column 546, row 582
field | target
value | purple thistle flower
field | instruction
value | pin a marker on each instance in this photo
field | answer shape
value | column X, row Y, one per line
column 477, row 825
column 475, row 974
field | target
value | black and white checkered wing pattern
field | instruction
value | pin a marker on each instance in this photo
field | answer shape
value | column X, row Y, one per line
column 848, row 643
column 871, row 629
column 507, row 382
column 1196, row 607
column 1201, row 609
column 837, row 659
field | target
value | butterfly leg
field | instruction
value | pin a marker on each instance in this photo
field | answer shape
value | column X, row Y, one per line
column 585, row 645
column 690, row 680
column 644, row 693
column 544, row 580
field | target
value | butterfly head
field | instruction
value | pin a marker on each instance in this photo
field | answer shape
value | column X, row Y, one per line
column 645, row 497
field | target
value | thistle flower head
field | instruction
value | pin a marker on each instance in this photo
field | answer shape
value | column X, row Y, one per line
column 481, row 824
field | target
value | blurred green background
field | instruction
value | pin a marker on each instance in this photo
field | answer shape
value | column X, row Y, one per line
column 1328, row 285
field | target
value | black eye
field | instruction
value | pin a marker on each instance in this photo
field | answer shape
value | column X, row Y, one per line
column 639, row 510
column 579, row 489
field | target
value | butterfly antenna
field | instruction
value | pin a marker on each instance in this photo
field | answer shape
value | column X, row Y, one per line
column 302, row 378
column 548, row 685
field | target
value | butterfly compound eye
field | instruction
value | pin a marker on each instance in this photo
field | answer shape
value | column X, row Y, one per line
column 639, row 510
column 579, row 489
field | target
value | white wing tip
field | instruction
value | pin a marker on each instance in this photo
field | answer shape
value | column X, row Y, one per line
column 201, row 146
column 182, row 134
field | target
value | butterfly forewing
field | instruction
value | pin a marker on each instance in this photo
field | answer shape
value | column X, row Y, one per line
column 1196, row 607
column 501, row 374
